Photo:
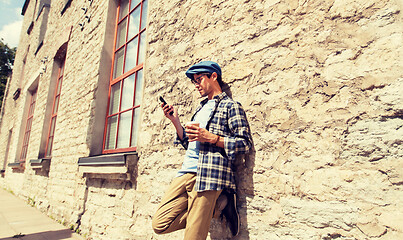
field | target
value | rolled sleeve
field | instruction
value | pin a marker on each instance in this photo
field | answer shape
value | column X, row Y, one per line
column 240, row 141
column 184, row 142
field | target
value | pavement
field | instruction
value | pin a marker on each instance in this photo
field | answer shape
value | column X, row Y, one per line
column 18, row 220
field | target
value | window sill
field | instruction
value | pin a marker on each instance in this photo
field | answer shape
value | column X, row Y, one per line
column 18, row 167
column 16, row 94
column 66, row 5
column 39, row 47
column 24, row 8
column 31, row 26
column 114, row 166
column 15, row 165
column 40, row 164
column 44, row 5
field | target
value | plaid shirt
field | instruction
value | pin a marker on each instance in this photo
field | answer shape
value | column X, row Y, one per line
column 228, row 120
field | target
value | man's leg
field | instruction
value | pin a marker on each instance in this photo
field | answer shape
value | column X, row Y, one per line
column 172, row 212
column 200, row 212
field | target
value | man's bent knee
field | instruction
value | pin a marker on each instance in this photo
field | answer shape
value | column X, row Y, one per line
column 158, row 227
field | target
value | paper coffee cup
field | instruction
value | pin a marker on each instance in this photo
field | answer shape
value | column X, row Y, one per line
column 193, row 123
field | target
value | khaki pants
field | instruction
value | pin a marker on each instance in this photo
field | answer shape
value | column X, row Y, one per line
column 182, row 207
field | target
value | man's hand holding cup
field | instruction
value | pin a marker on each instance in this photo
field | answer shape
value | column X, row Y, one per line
column 195, row 133
column 192, row 130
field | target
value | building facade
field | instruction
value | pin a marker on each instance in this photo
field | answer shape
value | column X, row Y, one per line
column 321, row 81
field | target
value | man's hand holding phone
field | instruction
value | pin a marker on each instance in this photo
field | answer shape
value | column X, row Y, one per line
column 169, row 111
column 172, row 114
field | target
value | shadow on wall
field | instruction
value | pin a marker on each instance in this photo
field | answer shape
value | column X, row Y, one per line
column 226, row 88
column 55, row 235
column 245, row 188
column 244, row 165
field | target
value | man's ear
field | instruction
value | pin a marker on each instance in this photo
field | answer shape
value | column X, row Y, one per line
column 214, row 76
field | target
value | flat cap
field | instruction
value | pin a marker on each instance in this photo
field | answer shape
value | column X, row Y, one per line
column 203, row 67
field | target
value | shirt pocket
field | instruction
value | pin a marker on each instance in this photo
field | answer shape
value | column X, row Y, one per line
column 219, row 123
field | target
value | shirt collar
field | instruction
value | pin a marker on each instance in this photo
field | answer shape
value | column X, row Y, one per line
column 218, row 98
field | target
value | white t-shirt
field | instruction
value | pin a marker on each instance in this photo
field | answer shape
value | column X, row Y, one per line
column 192, row 153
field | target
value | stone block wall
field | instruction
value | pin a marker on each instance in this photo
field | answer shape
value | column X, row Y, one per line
column 321, row 83
column 60, row 191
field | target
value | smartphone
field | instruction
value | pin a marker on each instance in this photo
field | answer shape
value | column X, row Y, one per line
column 165, row 103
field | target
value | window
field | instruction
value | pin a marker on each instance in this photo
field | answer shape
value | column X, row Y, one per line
column 43, row 16
column 28, row 126
column 126, row 82
column 55, row 107
column 24, row 8
column 24, row 62
column 66, row 4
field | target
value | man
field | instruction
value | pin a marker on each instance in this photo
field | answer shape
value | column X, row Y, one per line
column 207, row 173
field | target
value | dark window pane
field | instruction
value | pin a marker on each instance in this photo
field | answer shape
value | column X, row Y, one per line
column 124, row 129
column 144, row 15
column 111, row 132
column 59, row 86
column 127, row 92
column 118, row 66
column 135, row 127
column 131, row 55
column 25, row 142
column 24, row 153
column 134, row 4
column 124, row 7
column 139, row 88
column 61, row 70
column 56, row 105
column 114, row 99
column 52, row 127
column 134, row 23
column 121, row 34
column 50, row 145
column 31, row 109
column 29, row 124
column 142, row 48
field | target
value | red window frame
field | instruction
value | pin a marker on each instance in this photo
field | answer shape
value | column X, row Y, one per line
column 126, row 73
column 55, row 108
column 28, row 126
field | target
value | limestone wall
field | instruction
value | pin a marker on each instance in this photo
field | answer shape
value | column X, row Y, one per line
column 321, row 82
column 60, row 191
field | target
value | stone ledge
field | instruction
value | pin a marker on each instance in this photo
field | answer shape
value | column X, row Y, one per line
column 114, row 166
column 41, row 166
column 42, row 163
column 115, row 159
column 66, row 5
column 17, row 167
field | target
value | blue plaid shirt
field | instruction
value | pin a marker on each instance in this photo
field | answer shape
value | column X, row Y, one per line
column 215, row 166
